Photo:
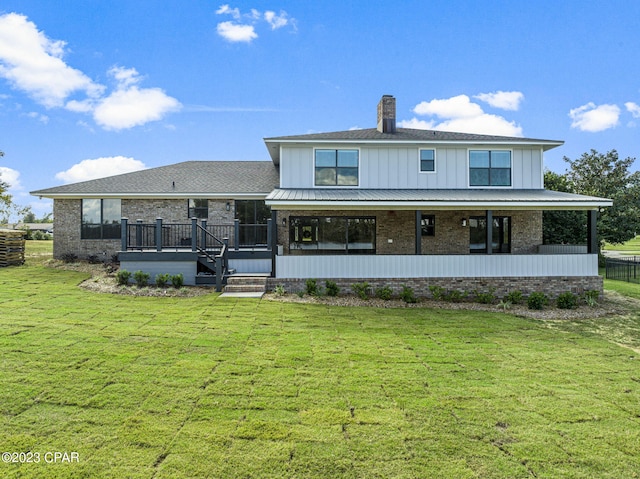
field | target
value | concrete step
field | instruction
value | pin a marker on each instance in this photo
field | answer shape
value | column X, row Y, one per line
column 244, row 288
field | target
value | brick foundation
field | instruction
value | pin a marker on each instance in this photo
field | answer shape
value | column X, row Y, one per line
column 550, row 285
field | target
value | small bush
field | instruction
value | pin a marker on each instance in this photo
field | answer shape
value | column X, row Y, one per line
column 69, row 257
column 141, row 278
column 486, row 298
column 514, row 297
column 567, row 300
column 407, row 295
column 361, row 290
column 385, row 293
column 279, row 290
column 504, row 304
column 177, row 280
column 332, row 288
column 300, row 294
column 162, row 279
column 455, row 296
column 311, row 287
column 537, row 300
column 437, row 292
column 93, row 259
column 122, row 277
column 590, row 297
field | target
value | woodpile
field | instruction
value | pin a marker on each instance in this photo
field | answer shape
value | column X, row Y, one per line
column 11, row 247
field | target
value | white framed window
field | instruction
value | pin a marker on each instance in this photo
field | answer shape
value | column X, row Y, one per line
column 336, row 167
column 490, row 168
column 427, row 160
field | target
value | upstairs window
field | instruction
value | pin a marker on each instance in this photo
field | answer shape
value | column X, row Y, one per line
column 198, row 208
column 336, row 167
column 489, row 168
column 100, row 219
column 427, row 161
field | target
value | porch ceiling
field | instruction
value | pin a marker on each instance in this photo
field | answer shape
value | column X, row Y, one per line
column 471, row 199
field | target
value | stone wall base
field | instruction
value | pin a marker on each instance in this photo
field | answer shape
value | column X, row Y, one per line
column 552, row 286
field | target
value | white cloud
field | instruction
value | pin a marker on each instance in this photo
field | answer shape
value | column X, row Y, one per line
column 33, row 63
column 505, row 100
column 594, row 118
column 276, row 21
column 633, row 108
column 11, row 177
column 234, row 32
column 243, row 26
column 99, row 168
column 38, row 116
column 460, row 114
column 129, row 105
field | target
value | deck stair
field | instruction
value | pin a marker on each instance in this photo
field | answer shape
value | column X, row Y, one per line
column 246, row 283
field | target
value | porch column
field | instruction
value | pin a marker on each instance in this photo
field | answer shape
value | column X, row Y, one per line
column 274, row 241
column 158, row 234
column 418, row 232
column 489, row 238
column 236, row 234
column 592, row 232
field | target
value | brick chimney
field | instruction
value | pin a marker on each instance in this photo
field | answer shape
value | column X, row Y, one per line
column 387, row 114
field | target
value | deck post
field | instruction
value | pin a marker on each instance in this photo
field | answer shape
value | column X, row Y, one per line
column 269, row 233
column 489, row 239
column 139, row 234
column 194, row 234
column 274, row 241
column 219, row 272
column 418, row 232
column 203, row 237
column 592, row 232
column 158, row 234
column 124, row 228
column 236, row 234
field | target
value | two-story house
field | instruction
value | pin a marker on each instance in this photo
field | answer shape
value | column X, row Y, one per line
column 386, row 205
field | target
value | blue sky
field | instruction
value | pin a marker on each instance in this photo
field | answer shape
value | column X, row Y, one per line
column 100, row 87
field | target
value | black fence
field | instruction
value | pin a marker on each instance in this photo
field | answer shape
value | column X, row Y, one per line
column 623, row 269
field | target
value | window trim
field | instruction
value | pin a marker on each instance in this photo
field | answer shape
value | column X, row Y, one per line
column 315, row 235
column 101, row 224
column 510, row 185
column 189, row 208
column 501, row 218
column 336, row 149
column 435, row 162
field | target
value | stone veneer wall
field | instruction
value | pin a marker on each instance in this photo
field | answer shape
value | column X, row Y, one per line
column 67, row 221
column 550, row 285
column 395, row 230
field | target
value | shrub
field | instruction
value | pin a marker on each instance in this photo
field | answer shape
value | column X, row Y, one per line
column 162, row 279
column 141, row 278
column 122, row 277
column 455, row 296
column 177, row 280
column 504, row 304
column 332, row 288
column 69, row 257
column 567, row 300
column 591, row 297
column 300, row 294
column 437, row 292
column 407, row 295
column 514, row 297
column 384, row 293
column 311, row 287
column 279, row 290
column 487, row 297
column 93, row 259
column 537, row 300
column 361, row 290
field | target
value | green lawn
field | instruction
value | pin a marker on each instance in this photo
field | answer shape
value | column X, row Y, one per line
column 228, row 388
column 631, row 247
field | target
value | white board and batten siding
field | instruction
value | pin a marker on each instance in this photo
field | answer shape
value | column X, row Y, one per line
column 398, row 167
column 435, row 266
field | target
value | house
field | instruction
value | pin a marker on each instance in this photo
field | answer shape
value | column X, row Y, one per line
column 386, row 205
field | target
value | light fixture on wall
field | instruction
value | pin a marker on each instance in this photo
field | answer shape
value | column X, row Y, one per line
column 464, row 222
column 284, row 221
column 228, row 206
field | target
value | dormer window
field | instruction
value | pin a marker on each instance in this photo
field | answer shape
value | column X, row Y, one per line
column 489, row 168
column 336, row 167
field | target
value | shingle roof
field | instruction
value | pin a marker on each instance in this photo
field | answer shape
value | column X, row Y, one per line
column 190, row 178
column 402, row 135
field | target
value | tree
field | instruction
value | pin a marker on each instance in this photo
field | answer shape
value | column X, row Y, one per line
column 562, row 227
column 7, row 207
column 607, row 176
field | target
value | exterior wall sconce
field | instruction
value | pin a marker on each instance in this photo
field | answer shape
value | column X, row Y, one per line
column 284, row 221
column 228, row 205
column 464, row 222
